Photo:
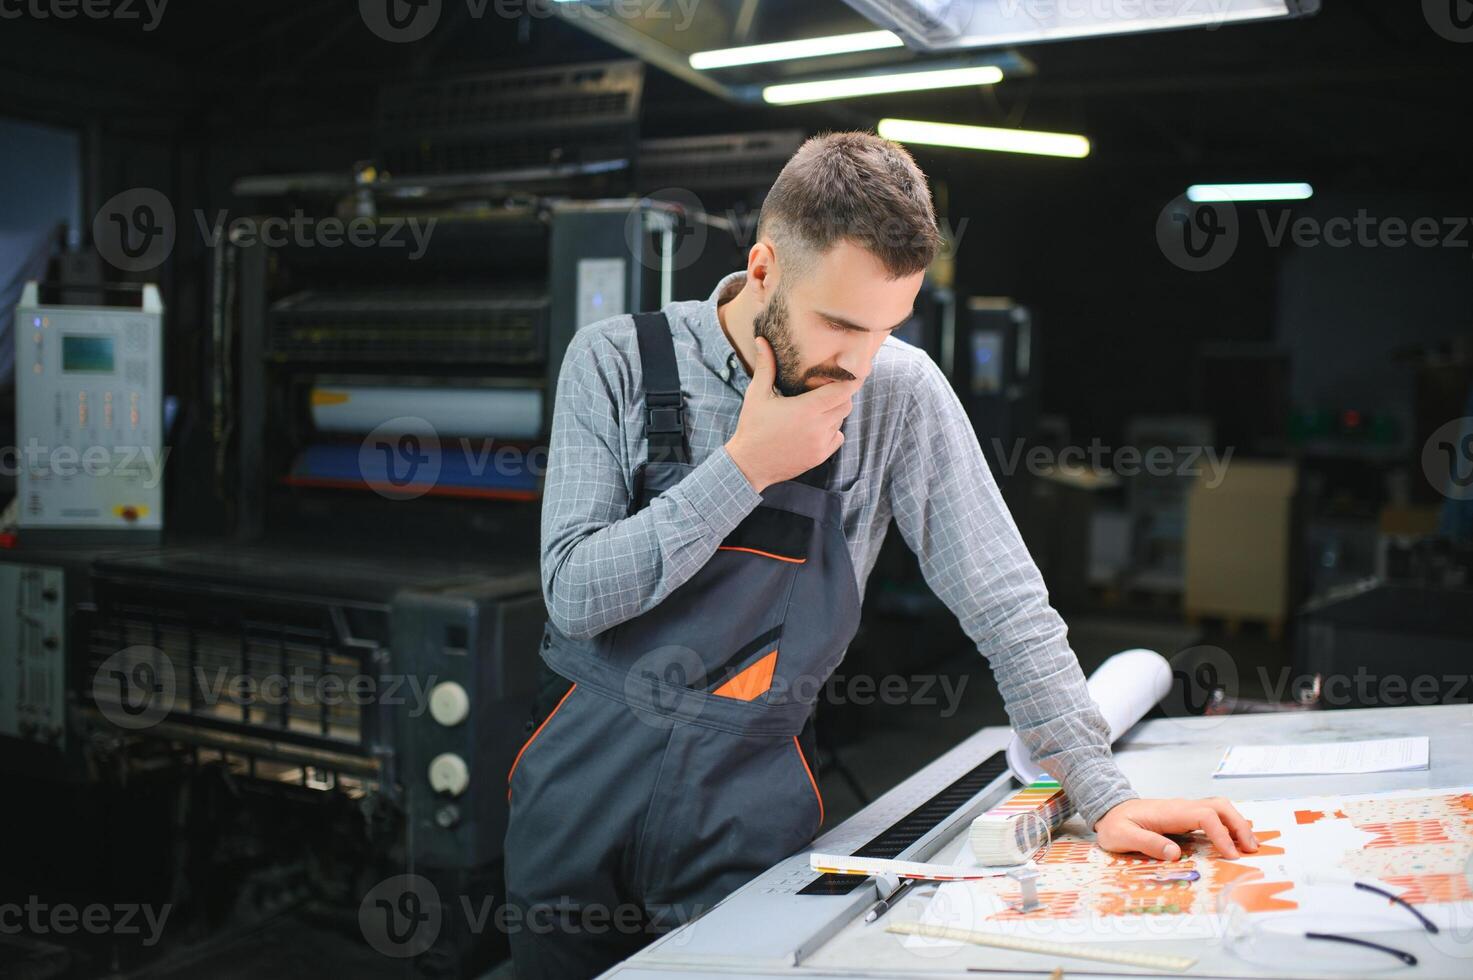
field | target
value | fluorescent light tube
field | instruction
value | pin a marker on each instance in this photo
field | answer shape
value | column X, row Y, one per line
column 1233, row 193
column 790, row 93
column 985, row 138
column 812, row 47
column 936, row 25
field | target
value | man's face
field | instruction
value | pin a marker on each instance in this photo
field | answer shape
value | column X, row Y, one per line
column 829, row 325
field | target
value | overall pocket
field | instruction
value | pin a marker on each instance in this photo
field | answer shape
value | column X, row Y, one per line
column 812, row 781
column 535, row 735
column 722, row 626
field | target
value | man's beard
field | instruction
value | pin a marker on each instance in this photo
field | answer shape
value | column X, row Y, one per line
column 773, row 325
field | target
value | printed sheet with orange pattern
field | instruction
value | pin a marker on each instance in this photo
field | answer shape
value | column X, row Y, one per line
column 1417, row 844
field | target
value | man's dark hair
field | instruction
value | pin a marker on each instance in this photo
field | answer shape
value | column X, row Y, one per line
column 855, row 187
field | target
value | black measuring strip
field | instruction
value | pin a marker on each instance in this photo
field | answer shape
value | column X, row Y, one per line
column 914, row 825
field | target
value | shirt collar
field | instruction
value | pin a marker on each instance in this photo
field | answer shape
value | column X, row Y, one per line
column 716, row 351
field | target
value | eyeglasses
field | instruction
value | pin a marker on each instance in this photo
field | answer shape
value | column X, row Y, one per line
column 1266, row 928
column 1402, row 955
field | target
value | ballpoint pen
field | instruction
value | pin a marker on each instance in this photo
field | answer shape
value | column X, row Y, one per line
column 885, row 904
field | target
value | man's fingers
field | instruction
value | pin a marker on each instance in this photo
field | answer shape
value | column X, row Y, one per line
column 1133, row 837
column 842, row 407
column 764, row 366
column 1211, row 825
column 1240, row 825
column 831, row 395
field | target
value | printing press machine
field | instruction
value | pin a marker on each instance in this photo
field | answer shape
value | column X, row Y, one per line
column 793, row 922
column 377, row 425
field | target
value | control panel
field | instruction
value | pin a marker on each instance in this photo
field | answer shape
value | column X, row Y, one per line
column 33, row 653
column 89, row 414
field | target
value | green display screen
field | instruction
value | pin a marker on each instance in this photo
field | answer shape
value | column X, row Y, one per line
column 91, row 353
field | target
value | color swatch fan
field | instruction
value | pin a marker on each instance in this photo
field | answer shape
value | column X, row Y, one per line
column 1015, row 829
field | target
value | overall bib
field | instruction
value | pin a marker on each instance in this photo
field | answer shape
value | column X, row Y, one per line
column 677, row 763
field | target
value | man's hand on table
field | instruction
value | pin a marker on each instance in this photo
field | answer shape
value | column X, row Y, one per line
column 1139, row 825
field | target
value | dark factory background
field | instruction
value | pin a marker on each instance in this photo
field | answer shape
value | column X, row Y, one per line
column 1113, row 341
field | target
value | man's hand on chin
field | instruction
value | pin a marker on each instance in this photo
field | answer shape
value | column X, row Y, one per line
column 1139, row 825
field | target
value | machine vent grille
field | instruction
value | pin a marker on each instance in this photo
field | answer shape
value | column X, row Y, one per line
column 267, row 680
column 583, row 113
column 417, row 326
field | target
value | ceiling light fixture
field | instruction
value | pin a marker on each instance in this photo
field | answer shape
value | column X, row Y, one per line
column 791, row 93
column 812, row 47
column 936, row 25
column 1237, row 193
column 985, row 138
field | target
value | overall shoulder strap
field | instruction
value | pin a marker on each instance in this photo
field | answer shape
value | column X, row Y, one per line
column 664, row 411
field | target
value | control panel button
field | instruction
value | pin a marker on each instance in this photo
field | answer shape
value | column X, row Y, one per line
column 449, row 774
column 449, row 704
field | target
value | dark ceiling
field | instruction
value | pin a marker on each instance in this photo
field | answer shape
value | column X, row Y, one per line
column 1364, row 90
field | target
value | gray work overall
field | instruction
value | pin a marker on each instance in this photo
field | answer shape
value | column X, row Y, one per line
column 678, row 764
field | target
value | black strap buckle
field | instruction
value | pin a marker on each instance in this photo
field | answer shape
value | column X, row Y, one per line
column 664, row 408
column 664, row 414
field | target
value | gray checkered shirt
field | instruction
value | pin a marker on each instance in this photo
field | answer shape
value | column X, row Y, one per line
column 909, row 452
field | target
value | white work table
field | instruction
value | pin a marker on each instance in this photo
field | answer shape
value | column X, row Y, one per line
column 764, row 930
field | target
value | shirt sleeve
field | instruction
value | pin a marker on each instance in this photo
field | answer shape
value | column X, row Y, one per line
column 952, row 516
column 601, row 565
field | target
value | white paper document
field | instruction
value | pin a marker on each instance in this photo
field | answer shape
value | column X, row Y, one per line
column 1317, row 758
